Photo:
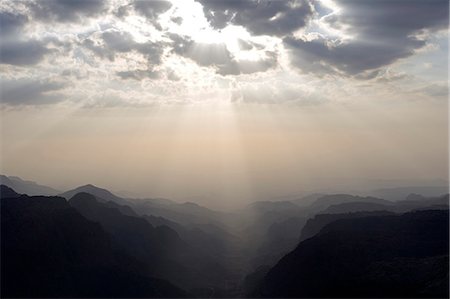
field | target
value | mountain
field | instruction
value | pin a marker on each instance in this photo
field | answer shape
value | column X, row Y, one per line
column 280, row 238
column 377, row 256
column 6, row 192
column 183, row 213
column 315, row 224
column 325, row 201
column 357, row 206
column 307, row 200
column 420, row 202
column 271, row 206
column 102, row 195
column 401, row 193
column 412, row 202
column 160, row 248
column 49, row 250
column 26, row 187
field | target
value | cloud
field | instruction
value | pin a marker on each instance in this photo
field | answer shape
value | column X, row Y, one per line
column 276, row 18
column 112, row 41
column 237, row 67
column 382, row 32
column 217, row 55
column 139, row 74
column 11, row 24
column 23, row 53
column 67, row 10
column 151, row 9
column 437, row 91
column 24, row 91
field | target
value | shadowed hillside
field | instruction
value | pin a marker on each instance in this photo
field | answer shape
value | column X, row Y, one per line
column 49, row 250
column 379, row 256
column 161, row 249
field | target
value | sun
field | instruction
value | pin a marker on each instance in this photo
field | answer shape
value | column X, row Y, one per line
column 195, row 25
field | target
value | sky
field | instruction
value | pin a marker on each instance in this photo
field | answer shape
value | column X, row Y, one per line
column 223, row 101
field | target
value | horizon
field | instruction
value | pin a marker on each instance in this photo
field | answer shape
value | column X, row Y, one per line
column 225, row 102
column 297, row 197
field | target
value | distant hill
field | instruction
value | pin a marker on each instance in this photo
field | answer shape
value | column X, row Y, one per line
column 307, row 200
column 378, row 256
column 402, row 192
column 334, row 199
column 7, row 192
column 49, row 250
column 160, row 248
column 266, row 206
column 315, row 224
column 26, row 187
column 420, row 202
column 183, row 213
column 101, row 194
column 412, row 202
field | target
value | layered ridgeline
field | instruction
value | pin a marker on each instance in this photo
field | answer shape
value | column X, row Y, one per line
column 165, row 254
column 48, row 249
column 162, row 248
column 26, row 187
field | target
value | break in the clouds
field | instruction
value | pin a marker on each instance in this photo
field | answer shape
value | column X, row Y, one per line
column 181, row 50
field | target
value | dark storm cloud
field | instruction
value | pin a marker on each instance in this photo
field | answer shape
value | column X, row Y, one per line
column 259, row 17
column 67, row 10
column 383, row 32
column 18, row 52
column 17, row 92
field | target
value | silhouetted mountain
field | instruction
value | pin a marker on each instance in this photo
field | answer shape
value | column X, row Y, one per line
column 49, row 250
column 6, row 192
column 314, row 225
column 351, row 207
column 160, row 248
column 412, row 202
column 307, row 200
column 280, row 238
column 268, row 230
column 124, row 209
column 402, row 192
column 183, row 213
column 271, row 206
column 101, row 194
column 252, row 280
column 380, row 256
column 324, row 202
column 26, row 187
column 420, row 202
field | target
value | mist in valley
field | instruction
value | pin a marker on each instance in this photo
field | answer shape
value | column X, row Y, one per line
column 224, row 149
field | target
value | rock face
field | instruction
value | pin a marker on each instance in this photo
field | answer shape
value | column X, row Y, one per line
column 378, row 256
column 48, row 249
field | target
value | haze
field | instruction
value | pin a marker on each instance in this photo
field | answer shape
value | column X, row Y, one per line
column 223, row 102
